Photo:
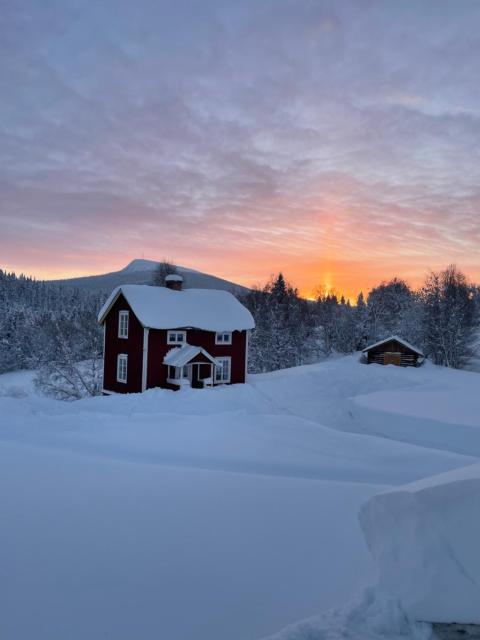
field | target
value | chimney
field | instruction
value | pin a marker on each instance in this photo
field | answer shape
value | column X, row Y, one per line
column 174, row 281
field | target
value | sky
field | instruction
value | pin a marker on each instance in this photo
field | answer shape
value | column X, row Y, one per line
column 336, row 141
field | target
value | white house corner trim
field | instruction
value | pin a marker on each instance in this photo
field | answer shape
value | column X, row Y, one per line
column 145, row 358
column 103, row 353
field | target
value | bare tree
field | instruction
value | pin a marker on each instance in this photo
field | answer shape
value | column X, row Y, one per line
column 164, row 269
column 67, row 380
column 63, row 375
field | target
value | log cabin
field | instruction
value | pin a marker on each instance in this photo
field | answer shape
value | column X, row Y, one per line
column 394, row 350
column 172, row 337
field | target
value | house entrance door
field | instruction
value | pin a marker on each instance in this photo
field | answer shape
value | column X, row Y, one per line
column 196, row 381
column 201, row 371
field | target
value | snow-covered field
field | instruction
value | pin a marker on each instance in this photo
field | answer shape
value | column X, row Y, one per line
column 219, row 514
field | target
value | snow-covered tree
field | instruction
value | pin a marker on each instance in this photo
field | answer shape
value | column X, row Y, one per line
column 327, row 317
column 31, row 315
column 450, row 318
column 361, row 322
column 389, row 306
column 284, row 335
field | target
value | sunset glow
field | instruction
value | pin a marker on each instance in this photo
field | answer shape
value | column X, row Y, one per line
column 305, row 139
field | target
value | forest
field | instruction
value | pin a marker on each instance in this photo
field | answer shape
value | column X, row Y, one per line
column 53, row 328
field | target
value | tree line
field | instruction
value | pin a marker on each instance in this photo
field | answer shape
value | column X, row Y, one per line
column 442, row 318
column 53, row 328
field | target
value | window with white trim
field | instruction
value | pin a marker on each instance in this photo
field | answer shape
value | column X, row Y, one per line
column 222, row 372
column 123, row 324
column 223, row 337
column 176, row 337
column 176, row 373
column 122, row 367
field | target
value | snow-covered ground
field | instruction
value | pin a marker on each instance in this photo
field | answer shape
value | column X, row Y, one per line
column 219, row 514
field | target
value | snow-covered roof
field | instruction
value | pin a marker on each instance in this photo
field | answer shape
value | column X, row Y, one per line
column 398, row 339
column 173, row 277
column 180, row 356
column 162, row 308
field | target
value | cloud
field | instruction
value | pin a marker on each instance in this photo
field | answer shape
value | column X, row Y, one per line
column 240, row 137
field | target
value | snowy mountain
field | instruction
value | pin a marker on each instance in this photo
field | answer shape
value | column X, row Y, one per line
column 139, row 264
column 140, row 271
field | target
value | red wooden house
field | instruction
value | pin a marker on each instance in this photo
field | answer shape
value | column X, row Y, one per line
column 169, row 337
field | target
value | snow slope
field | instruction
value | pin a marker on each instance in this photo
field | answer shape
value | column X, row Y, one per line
column 430, row 406
column 213, row 514
column 107, row 548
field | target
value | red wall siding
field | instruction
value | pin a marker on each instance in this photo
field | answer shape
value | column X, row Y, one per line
column 132, row 346
column 158, row 347
column 236, row 350
column 157, row 350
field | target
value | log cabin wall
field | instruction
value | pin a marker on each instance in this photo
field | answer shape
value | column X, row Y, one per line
column 408, row 358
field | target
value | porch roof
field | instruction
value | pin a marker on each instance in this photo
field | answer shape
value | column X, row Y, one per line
column 180, row 356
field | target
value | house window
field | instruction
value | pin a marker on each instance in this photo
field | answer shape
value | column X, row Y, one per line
column 176, row 373
column 123, row 324
column 176, row 337
column 222, row 373
column 122, row 365
column 223, row 337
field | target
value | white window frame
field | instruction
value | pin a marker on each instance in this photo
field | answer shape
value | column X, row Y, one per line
column 179, row 373
column 173, row 332
column 222, row 379
column 223, row 337
column 174, row 370
column 122, row 357
column 123, row 322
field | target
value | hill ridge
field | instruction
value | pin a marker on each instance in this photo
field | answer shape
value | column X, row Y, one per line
column 140, row 271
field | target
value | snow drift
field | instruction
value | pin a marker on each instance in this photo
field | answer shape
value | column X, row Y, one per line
column 425, row 538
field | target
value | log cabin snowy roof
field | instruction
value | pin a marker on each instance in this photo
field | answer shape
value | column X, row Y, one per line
column 162, row 308
column 397, row 339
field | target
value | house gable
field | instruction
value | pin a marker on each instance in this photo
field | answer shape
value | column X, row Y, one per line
column 132, row 347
